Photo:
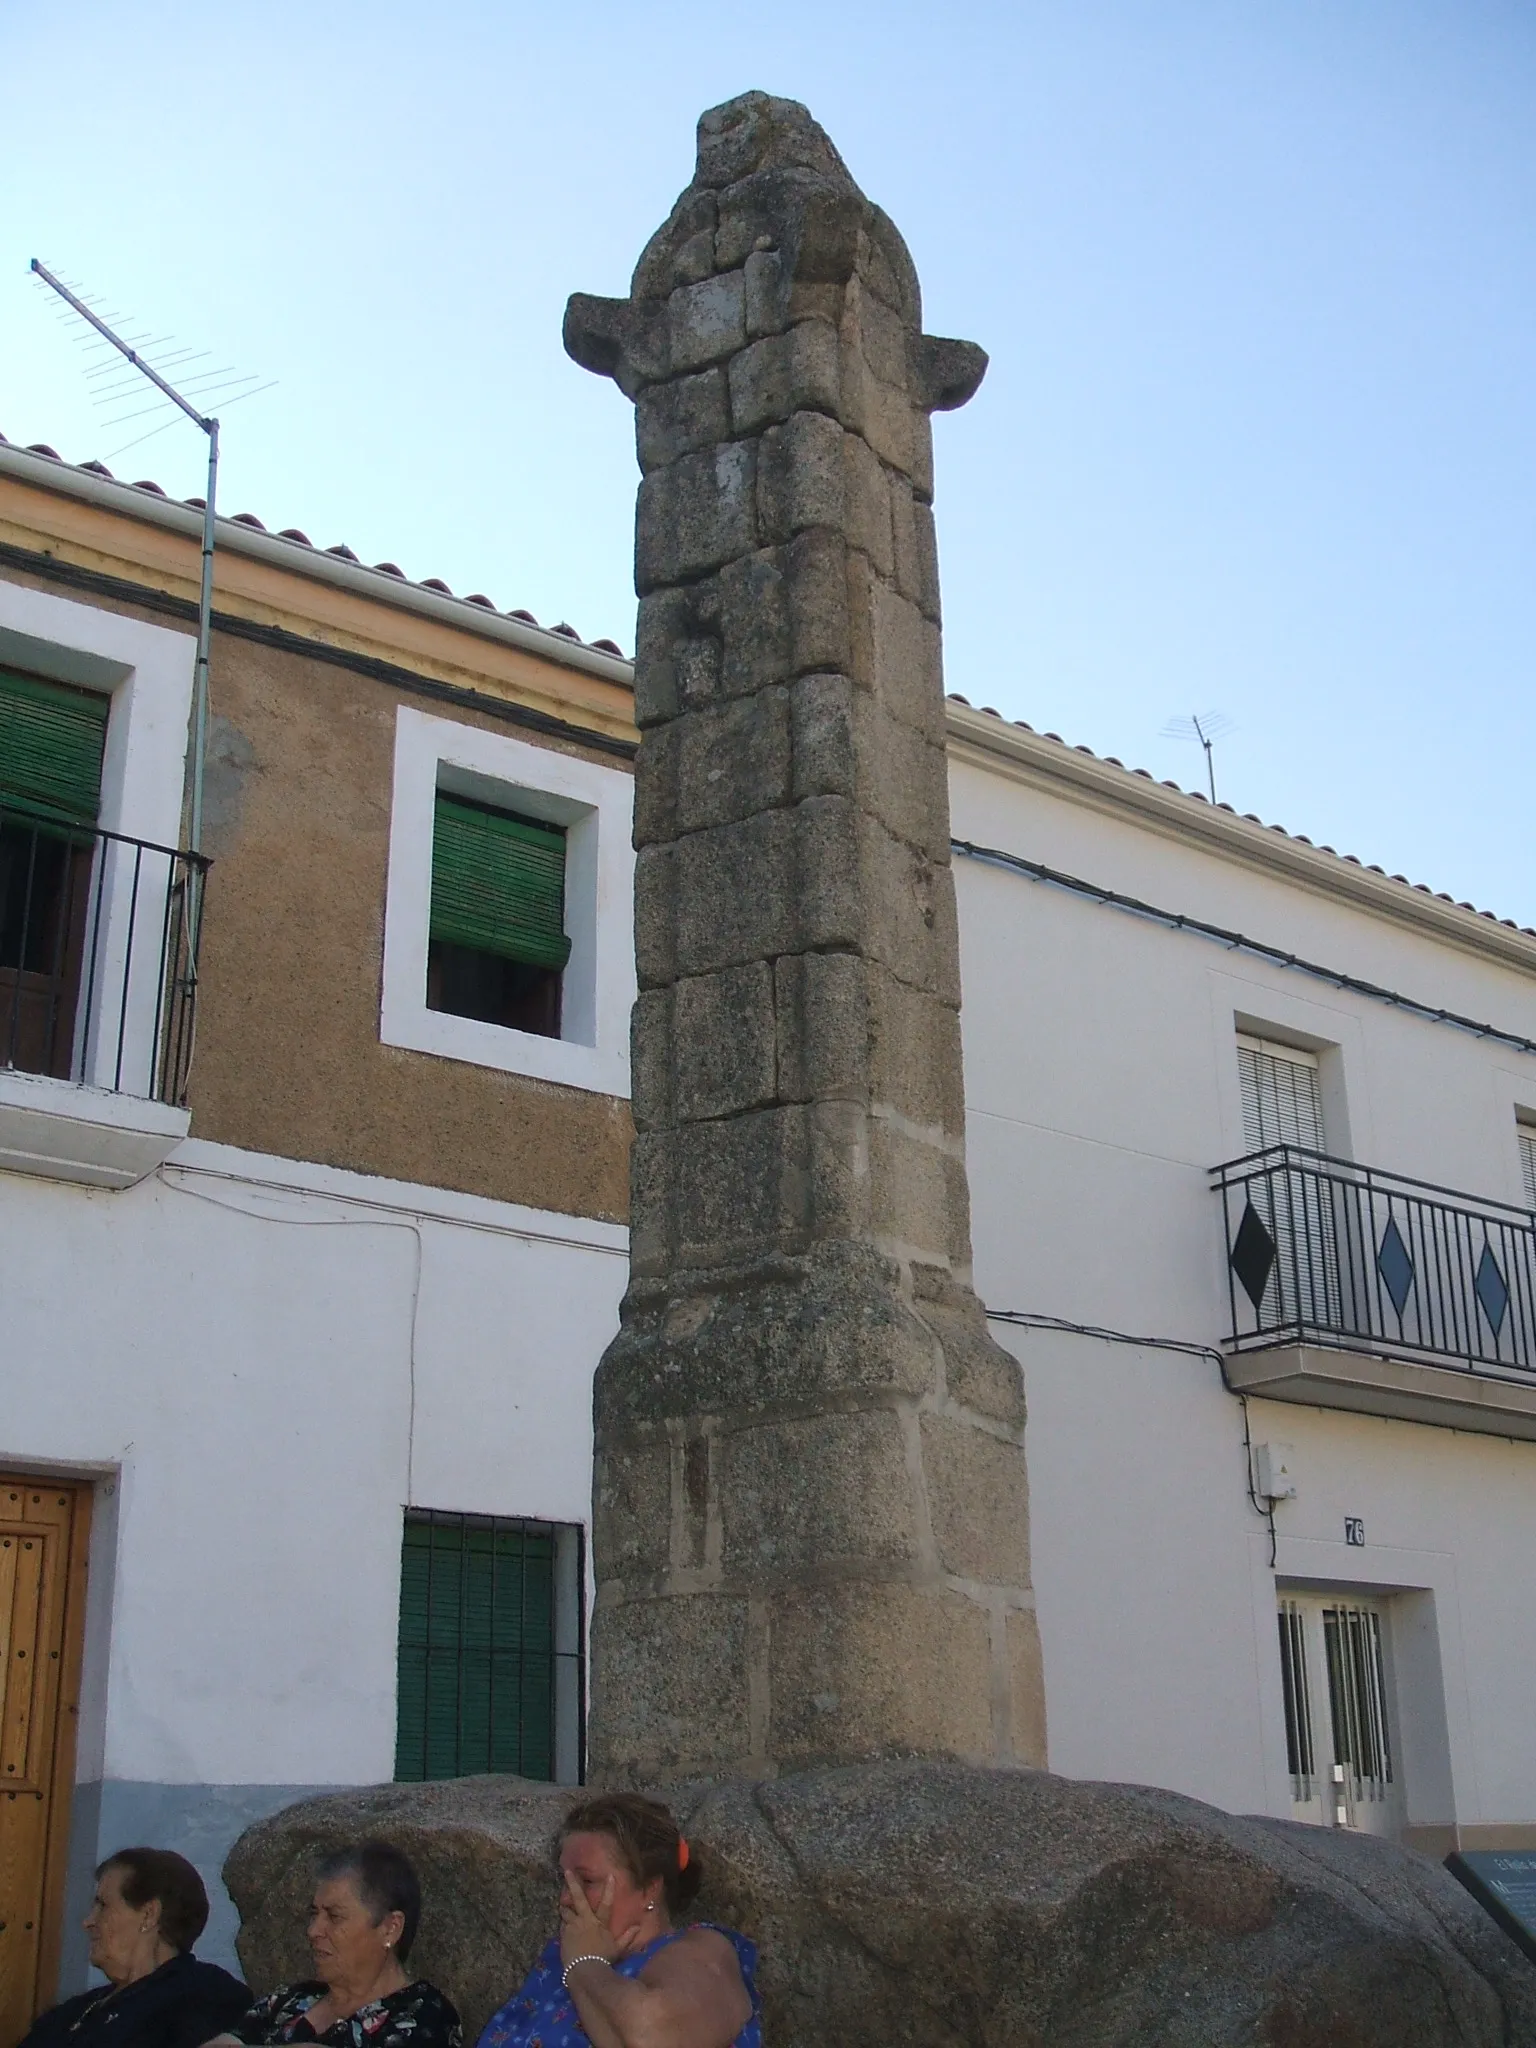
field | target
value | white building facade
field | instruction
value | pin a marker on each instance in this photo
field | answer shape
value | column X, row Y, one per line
column 1333, row 1619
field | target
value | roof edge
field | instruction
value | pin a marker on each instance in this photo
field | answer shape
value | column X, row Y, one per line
column 52, row 473
column 1036, row 757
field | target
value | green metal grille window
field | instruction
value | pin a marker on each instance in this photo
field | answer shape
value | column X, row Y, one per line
column 498, row 884
column 51, row 742
column 480, row 1672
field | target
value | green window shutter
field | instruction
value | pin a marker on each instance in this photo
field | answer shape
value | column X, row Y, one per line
column 477, row 1648
column 51, row 741
column 498, row 884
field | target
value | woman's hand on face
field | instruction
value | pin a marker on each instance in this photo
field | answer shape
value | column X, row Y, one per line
column 584, row 1928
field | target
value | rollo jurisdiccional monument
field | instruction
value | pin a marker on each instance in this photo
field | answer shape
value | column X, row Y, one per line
column 813, row 1625
column 810, row 1505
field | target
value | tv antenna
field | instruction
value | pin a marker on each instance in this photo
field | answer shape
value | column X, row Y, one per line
column 199, row 387
column 1207, row 727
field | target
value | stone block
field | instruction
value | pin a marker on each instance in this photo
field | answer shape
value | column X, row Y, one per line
column 828, row 905
column 651, row 1060
column 906, row 562
column 661, row 624
column 895, row 652
column 698, row 664
column 758, row 643
column 880, row 412
column 734, row 896
column 879, row 334
column 732, row 760
column 898, row 893
column 867, row 494
column 681, row 417
column 723, row 1040
column 907, row 1189
column 649, row 1658
column 767, row 292
column 840, row 1186
column 822, row 1012
column 914, row 1055
column 864, row 1669
column 695, row 514
column 655, row 812
column 823, row 736
column 978, row 1499
column 1026, row 1689
column 746, row 1189
column 800, row 476
column 816, row 1492
column 927, row 561
column 651, row 1234
column 824, row 1325
column 978, row 1373
column 816, row 568
column 673, row 254
column 797, row 371
column 707, row 322
column 631, row 1508
column 655, row 915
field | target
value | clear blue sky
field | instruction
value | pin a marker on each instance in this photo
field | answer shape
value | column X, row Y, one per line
column 1258, row 280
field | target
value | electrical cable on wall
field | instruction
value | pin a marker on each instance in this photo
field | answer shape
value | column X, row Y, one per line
column 1027, row 1319
column 337, row 1223
column 1239, row 942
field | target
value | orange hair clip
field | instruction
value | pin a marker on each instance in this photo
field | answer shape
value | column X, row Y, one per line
column 682, row 1853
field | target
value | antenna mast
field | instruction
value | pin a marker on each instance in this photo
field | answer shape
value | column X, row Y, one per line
column 210, row 426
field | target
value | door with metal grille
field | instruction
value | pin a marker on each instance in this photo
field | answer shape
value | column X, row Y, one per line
column 43, row 1530
column 1339, row 1739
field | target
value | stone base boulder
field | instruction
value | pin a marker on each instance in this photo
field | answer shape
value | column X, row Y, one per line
column 930, row 1904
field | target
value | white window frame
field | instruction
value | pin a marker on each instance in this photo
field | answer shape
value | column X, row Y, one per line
column 595, row 806
column 147, row 672
column 1525, row 1138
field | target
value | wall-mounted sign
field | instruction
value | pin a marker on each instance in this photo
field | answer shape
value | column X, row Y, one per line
column 1354, row 1530
column 1504, row 1884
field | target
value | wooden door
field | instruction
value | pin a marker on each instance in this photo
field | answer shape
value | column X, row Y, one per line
column 44, row 1526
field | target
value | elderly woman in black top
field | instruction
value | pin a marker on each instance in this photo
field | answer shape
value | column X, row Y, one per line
column 362, row 1922
column 149, row 1908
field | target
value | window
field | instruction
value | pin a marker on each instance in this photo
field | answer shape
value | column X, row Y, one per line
column 1527, row 1136
column 1338, row 1737
column 508, row 924
column 1283, row 1105
column 497, row 946
column 52, row 737
column 1282, row 1098
column 490, row 1648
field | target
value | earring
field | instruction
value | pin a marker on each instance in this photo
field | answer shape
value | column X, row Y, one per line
column 651, row 1907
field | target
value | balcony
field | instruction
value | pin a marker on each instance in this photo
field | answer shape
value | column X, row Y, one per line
column 97, row 995
column 1352, row 1288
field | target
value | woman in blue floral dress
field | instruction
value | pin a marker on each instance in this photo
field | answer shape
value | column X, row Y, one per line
column 622, row 1973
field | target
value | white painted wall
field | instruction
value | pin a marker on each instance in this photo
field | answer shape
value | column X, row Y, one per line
column 1101, row 1080
column 266, row 1362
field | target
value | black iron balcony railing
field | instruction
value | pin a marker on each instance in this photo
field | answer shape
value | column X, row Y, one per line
column 1322, row 1251
column 97, row 975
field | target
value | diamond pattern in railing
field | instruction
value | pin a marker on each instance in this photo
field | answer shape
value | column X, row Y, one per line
column 1253, row 1255
column 1492, row 1289
column 1395, row 1266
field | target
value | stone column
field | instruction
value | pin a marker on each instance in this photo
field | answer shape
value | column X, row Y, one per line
column 811, row 1515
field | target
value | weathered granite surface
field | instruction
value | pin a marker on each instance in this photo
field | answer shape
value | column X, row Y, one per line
column 930, row 1904
column 811, row 1509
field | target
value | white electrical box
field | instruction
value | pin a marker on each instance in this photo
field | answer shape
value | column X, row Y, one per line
column 1274, row 1471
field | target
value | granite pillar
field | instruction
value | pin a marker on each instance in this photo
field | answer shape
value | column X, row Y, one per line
column 811, row 1507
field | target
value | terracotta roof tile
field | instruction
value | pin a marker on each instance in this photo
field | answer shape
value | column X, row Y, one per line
column 301, row 539
column 1249, row 817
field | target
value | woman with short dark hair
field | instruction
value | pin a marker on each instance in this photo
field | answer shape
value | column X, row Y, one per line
column 622, row 1973
column 148, row 1910
column 362, row 1921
